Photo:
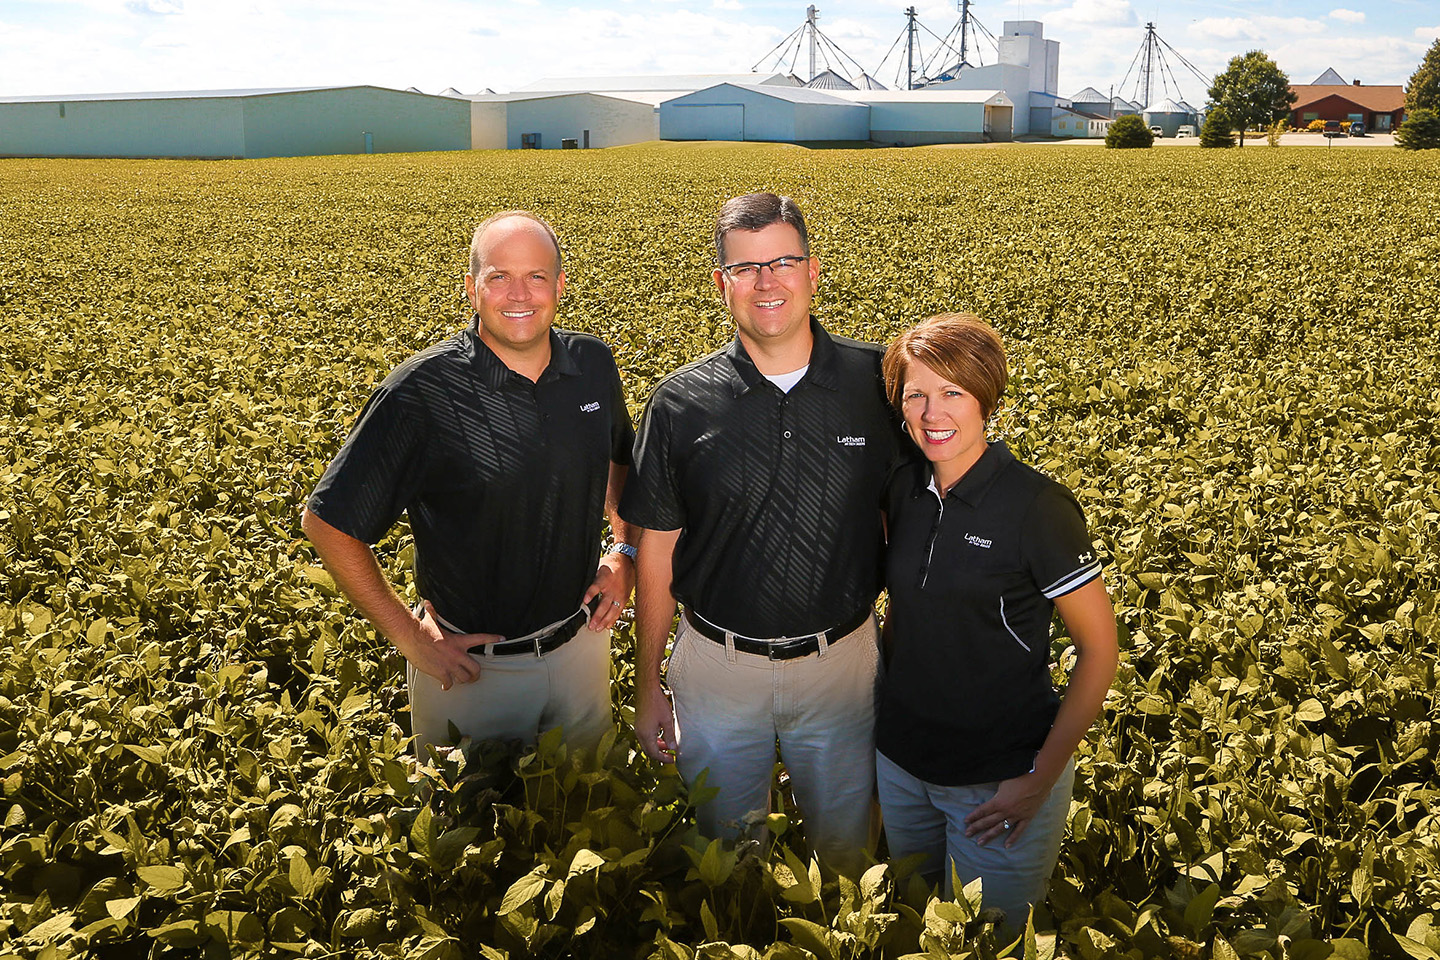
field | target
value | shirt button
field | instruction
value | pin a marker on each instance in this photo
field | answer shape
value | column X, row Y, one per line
column 787, row 434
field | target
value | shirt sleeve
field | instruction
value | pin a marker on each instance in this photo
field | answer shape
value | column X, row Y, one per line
column 1055, row 546
column 652, row 495
column 377, row 472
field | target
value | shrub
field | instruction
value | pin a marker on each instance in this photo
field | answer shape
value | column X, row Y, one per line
column 1420, row 131
column 1316, row 126
column 1216, row 131
column 1128, row 132
column 1274, row 131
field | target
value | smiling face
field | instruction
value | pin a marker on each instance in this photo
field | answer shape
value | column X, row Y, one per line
column 945, row 421
column 516, row 290
column 769, row 311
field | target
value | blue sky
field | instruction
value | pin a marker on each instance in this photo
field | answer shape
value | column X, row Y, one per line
column 86, row 46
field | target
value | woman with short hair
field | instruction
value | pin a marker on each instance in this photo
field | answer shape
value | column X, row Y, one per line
column 974, row 748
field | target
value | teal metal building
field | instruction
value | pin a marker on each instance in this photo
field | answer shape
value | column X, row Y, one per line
column 216, row 124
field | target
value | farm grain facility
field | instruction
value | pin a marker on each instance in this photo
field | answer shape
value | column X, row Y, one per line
column 1013, row 96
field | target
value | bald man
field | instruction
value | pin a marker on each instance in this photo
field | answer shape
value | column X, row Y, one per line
column 506, row 444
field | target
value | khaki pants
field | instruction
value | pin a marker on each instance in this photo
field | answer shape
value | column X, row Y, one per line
column 731, row 708
column 521, row 696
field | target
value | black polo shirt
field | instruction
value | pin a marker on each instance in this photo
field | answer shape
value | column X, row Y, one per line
column 972, row 576
column 503, row 478
column 778, row 494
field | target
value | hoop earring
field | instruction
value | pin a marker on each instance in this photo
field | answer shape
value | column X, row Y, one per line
column 997, row 426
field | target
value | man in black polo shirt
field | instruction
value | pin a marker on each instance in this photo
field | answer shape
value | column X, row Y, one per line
column 504, row 443
column 758, row 479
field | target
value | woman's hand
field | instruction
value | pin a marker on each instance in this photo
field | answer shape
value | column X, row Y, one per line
column 1090, row 619
column 1010, row 811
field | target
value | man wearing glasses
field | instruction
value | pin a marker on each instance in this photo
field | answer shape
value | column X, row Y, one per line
column 757, row 482
column 505, row 444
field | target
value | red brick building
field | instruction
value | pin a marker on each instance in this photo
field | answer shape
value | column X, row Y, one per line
column 1381, row 108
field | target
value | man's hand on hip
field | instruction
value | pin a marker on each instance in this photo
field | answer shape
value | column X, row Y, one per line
column 655, row 723
column 433, row 650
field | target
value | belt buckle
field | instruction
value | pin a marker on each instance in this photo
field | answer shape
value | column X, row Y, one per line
column 773, row 651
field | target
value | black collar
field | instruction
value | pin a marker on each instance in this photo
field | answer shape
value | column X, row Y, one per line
column 823, row 370
column 495, row 374
column 977, row 481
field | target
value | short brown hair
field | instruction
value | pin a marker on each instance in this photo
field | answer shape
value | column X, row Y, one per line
column 756, row 211
column 960, row 347
column 494, row 218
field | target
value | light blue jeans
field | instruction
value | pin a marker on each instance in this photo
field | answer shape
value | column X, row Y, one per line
column 922, row 817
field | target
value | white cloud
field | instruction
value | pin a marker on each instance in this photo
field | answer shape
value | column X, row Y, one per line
column 1347, row 16
column 1371, row 60
column 163, row 8
column 849, row 33
column 1092, row 13
column 1428, row 33
column 615, row 42
column 1223, row 28
column 1259, row 29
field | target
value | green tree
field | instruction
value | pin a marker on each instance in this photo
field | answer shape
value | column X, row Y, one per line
column 1420, row 131
column 1423, row 90
column 1252, row 92
column 1216, row 130
column 1129, row 131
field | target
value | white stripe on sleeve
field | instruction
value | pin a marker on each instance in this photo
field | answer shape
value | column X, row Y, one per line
column 1073, row 580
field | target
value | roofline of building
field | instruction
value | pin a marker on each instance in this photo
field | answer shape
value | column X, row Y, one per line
column 237, row 94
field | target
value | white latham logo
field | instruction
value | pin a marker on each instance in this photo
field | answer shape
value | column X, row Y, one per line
column 975, row 541
column 590, row 407
column 850, row 441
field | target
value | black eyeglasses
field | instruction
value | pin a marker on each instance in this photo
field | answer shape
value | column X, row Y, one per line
column 746, row 272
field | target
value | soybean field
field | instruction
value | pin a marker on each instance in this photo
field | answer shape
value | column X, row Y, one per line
column 1231, row 357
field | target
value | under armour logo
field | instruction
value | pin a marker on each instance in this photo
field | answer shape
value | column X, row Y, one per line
column 1086, row 557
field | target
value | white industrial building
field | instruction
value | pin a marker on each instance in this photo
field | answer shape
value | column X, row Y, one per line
column 909, row 118
column 743, row 111
column 270, row 122
column 1027, row 71
column 1170, row 116
column 1078, row 124
column 551, row 121
column 589, row 112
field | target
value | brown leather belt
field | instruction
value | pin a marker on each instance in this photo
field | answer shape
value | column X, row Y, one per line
column 786, row 649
